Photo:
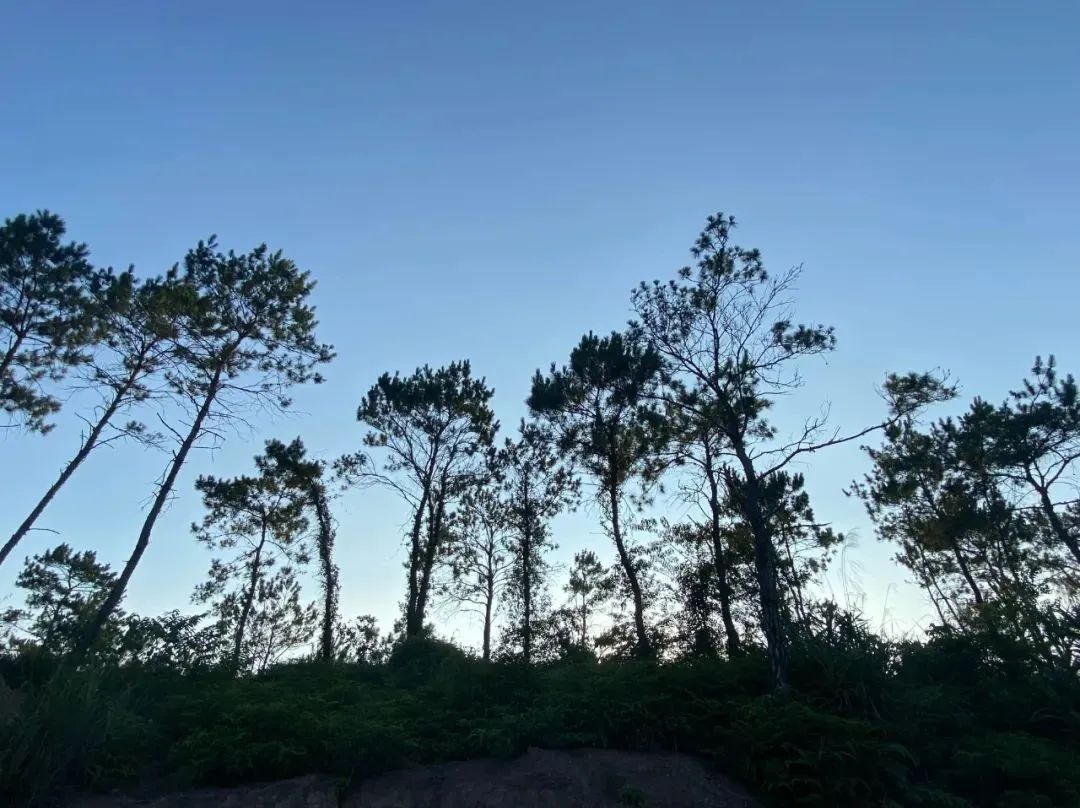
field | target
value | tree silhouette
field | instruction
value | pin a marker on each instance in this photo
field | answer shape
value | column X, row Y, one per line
column 537, row 485
column 601, row 408
column 729, row 349
column 308, row 478
column 64, row 589
column 478, row 558
column 139, row 335
column 248, row 337
column 589, row 587
column 436, row 427
column 258, row 522
column 973, row 502
column 49, row 296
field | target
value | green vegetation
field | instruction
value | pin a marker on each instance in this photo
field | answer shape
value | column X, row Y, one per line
column 865, row 722
column 708, row 635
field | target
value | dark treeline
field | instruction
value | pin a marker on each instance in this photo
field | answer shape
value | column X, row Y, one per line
column 981, row 507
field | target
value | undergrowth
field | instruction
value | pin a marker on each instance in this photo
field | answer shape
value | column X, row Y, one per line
column 917, row 725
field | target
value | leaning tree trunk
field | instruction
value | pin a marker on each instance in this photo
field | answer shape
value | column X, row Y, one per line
column 116, row 594
column 1062, row 532
column 644, row 647
column 72, row 465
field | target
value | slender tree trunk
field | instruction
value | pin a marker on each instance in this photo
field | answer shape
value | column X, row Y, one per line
column 723, row 588
column 489, row 602
column 430, row 552
column 116, row 594
column 584, row 623
column 965, row 570
column 411, row 627
column 249, row 598
column 644, row 647
column 526, row 580
column 88, row 446
column 329, row 569
column 930, row 578
column 1056, row 524
column 793, row 582
column 748, row 494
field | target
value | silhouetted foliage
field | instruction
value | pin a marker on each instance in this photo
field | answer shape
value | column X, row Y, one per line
column 478, row 559
column 436, row 428
column 601, row 408
column 258, row 524
column 710, row 633
column 246, row 339
column 724, row 333
column 537, row 484
column 49, row 299
column 138, row 340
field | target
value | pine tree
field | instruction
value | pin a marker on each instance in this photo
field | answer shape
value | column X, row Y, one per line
column 436, row 428
column 49, row 298
column 601, row 409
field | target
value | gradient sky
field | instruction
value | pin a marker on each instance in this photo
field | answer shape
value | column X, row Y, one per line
column 489, row 180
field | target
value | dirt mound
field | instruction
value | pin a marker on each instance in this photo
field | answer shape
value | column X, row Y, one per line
column 581, row 778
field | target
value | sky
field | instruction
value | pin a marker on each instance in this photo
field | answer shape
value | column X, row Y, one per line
column 489, row 180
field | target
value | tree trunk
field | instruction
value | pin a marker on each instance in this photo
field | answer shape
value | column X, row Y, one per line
column 748, row 494
column 489, row 602
column 584, row 623
column 249, row 598
column 411, row 628
column 430, row 552
column 1058, row 526
column 329, row 570
column 526, row 580
column 644, row 647
column 84, row 452
column 966, row 571
column 731, row 634
column 116, row 594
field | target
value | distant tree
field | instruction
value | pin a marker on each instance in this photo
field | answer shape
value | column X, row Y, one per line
column 537, row 485
column 310, row 479
column 64, row 588
column 49, row 295
column 982, row 507
column 590, row 588
column 138, row 342
column 601, row 408
column 804, row 546
column 258, row 523
column 436, row 428
column 729, row 349
column 478, row 560
column 686, row 555
column 1031, row 445
column 249, row 338
column 360, row 641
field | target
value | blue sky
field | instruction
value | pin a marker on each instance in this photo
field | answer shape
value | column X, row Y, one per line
column 488, row 180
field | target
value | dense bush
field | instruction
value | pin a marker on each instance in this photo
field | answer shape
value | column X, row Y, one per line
column 931, row 724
